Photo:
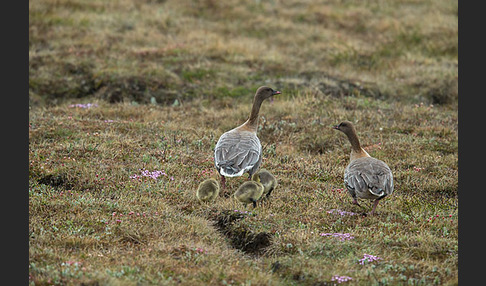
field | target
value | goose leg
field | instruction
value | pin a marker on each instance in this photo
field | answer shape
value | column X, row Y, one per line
column 353, row 195
column 374, row 207
column 223, row 183
column 355, row 202
column 254, row 203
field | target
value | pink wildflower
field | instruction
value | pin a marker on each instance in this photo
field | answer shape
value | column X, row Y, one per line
column 342, row 236
column 340, row 279
column 368, row 258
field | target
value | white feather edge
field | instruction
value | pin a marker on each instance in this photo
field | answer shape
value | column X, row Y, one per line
column 234, row 175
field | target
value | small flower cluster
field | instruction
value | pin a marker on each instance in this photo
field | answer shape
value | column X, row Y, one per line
column 70, row 262
column 437, row 218
column 184, row 251
column 422, row 105
column 73, row 267
column 337, row 190
column 85, row 105
column 151, row 174
column 417, row 169
column 340, row 212
column 374, row 146
column 62, row 193
column 206, row 172
column 340, row 279
column 368, row 258
column 200, row 250
column 243, row 212
column 342, row 236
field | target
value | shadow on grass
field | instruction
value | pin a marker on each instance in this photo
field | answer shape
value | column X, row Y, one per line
column 240, row 236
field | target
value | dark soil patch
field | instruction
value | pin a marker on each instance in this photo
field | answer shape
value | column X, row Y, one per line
column 333, row 86
column 240, row 236
column 136, row 89
column 67, row 81
column 56, row 180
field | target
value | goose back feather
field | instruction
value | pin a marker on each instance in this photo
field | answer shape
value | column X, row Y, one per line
column 368, row 178
column 237, row 152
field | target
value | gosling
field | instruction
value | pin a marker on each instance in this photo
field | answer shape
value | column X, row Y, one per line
column 268, row 181
column 250, row 191
column 208, row 190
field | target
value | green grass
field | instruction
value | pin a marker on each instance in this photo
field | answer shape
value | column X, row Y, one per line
column 406, row 50
column 167, row 78
column 81, row 161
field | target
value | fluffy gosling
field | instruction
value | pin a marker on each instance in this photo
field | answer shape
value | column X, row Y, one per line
column 268, row 181
column 250, row 191
column 208, row 190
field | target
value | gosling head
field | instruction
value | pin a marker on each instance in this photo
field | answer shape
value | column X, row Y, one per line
column 256, row 177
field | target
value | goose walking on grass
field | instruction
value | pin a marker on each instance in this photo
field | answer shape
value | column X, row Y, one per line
column 250, row 191
column 239, row 150
column 365, row 177
column 208, row 190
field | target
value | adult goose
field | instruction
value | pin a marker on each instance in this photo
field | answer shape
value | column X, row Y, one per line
column 239, row 150
column 365, row 177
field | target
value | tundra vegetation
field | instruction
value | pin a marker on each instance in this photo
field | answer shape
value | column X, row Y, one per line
column 128, row 98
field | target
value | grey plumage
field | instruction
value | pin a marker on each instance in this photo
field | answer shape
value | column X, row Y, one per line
column 368, row 178
column 365, row 177
column 237, row 152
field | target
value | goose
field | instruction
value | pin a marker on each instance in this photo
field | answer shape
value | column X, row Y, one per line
column 208, row 190
column 239, row 150
column 250, row 191
column 365, row 177
column 268, row 181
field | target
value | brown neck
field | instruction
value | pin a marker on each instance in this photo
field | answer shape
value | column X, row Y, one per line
column 252, row 122
column 353, row 139
column 356, row 150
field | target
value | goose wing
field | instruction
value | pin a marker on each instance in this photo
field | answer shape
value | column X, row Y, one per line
column 237, row 152
column 368, row 178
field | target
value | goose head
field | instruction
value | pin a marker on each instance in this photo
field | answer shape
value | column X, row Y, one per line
column 346, row 127
column 264, row 92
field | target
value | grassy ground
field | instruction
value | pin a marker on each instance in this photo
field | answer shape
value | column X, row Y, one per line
column 165, row 79
column 167, row 50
